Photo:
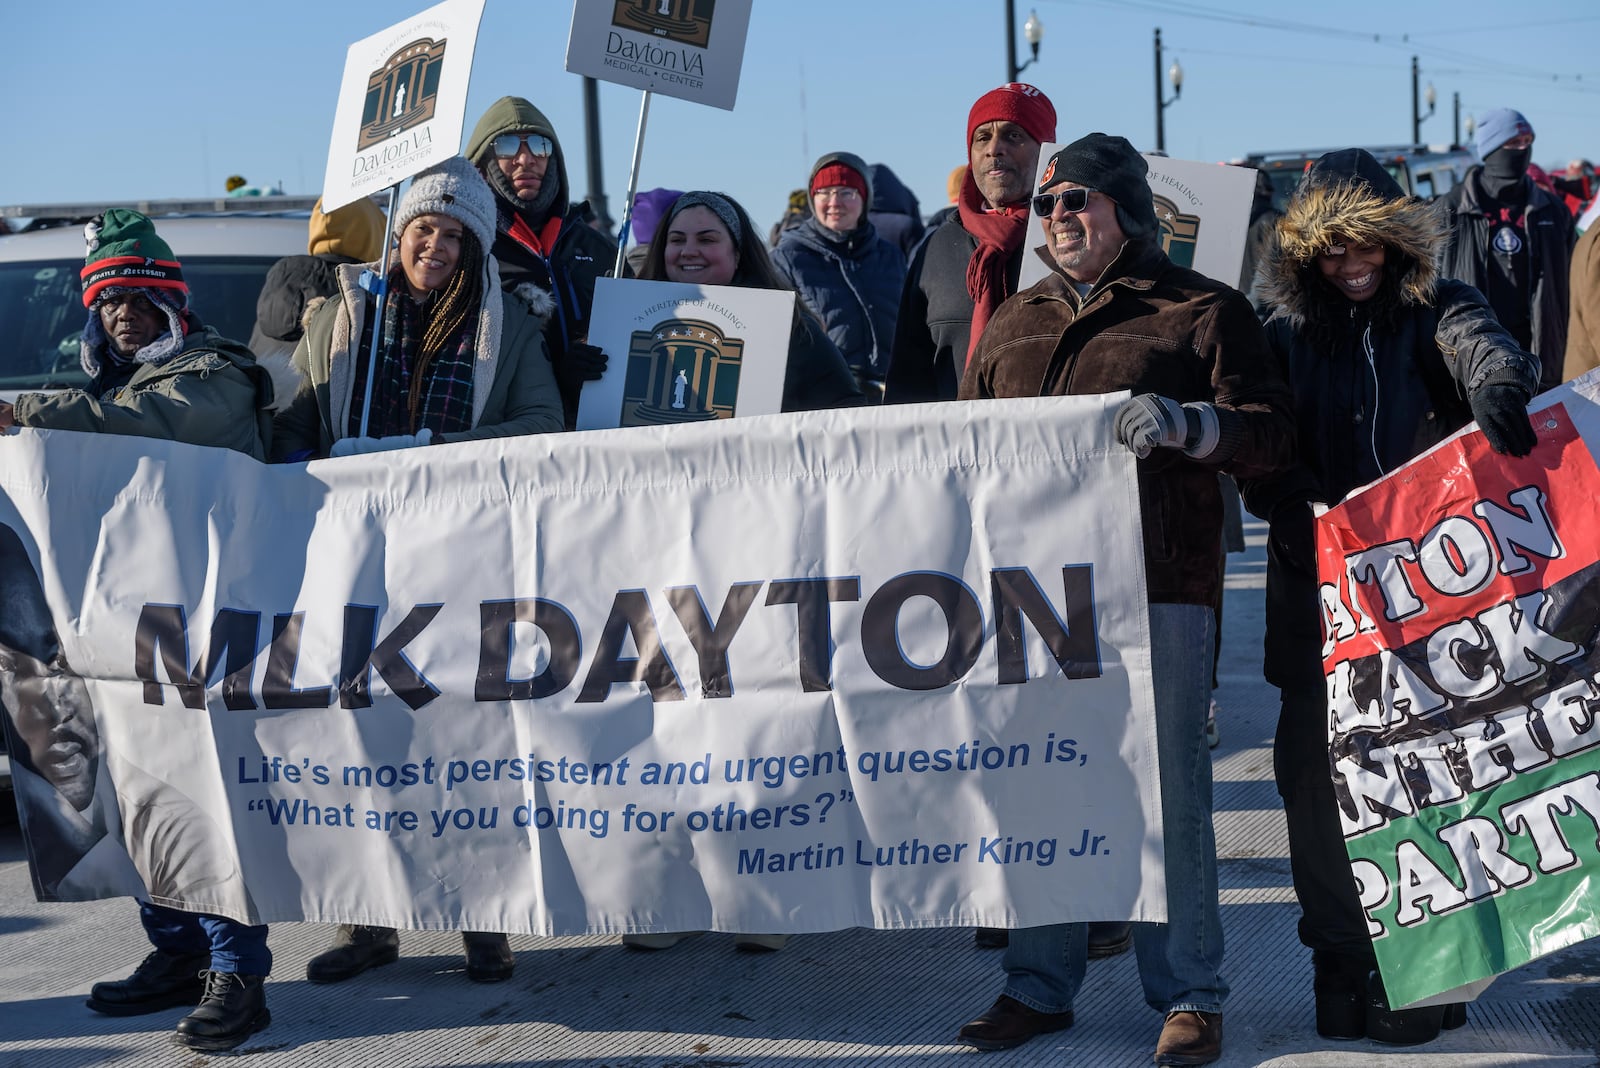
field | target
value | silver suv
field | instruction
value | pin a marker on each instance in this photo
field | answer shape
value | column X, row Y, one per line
column 226, row 248
column 1426, row 171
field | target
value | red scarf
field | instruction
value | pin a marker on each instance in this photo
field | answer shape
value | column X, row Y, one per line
column 999, row 234
column 539, row 243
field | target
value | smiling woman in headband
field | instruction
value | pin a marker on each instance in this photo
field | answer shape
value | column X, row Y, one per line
column 708, row 239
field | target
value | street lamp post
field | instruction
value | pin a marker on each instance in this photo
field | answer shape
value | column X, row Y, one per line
column 1032, row 31
column 1455, row 137
column 1175, row 76
column 591, row 123
column 1416, row 113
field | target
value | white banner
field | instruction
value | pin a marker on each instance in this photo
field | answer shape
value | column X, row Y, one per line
column 883, row 667
column 690, row 49
column 680, row 353
column 402, row 101
column 1203, row 210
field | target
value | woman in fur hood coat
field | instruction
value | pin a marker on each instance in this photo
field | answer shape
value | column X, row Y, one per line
column 1385, row 359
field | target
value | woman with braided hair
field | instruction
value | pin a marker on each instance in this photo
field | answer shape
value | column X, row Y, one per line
column 456, row 358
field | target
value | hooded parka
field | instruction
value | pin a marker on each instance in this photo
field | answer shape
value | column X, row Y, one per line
column 556, row 282
column 1375, row 383
column 211, row 392
column 513, row 392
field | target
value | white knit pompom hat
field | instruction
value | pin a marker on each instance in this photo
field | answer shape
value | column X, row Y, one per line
column 454, row 188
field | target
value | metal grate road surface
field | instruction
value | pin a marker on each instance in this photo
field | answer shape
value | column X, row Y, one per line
column 848, row 998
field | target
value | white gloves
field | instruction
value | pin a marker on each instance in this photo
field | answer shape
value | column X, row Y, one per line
column 357, row 446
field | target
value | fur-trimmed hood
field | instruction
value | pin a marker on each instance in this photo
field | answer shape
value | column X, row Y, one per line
column 1347, row 197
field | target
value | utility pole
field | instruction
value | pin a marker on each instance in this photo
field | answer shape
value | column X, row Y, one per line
column 1416, row 107
column 1455, row 138
column 1161, row 128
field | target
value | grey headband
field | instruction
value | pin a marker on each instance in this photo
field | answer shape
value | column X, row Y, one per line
column 719, row 205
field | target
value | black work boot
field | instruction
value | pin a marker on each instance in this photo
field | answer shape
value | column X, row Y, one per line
column 489, row 957
column 1399, row 1027
column 355, row 948
column 1339, row 984
column 1108, row 938
column 161, row 981
column 233, row 1009
column 991, row 937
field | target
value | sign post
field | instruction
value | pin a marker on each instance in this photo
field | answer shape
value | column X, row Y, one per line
column 402, row 105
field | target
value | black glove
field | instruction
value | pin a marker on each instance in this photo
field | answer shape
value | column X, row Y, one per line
column 1293, row 536
column 582, row 363
column 1501, row 410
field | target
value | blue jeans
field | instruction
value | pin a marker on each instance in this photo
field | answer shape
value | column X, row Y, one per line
column 1180, row 961
column 233, row 946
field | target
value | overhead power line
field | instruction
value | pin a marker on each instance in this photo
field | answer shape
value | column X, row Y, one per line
column 1399, row 41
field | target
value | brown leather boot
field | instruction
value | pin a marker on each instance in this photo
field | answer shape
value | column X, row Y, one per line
column 1190, row 1038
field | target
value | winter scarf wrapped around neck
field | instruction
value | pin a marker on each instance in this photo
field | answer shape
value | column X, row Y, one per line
column 999, row 234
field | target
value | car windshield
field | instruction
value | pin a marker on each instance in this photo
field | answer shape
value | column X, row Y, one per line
column 1284, row 181
column 42, row 314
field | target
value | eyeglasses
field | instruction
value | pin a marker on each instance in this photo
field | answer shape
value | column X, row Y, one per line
column 1519, row 141
column 837, row 192
column 1072, row 202
column 506, row 146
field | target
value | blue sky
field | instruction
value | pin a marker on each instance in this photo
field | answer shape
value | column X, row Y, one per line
column 108, row 100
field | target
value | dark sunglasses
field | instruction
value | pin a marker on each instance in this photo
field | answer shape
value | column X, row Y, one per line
column 1072, row 201
column 508, row 145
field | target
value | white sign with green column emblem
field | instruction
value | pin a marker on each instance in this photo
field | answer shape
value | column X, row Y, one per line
column 402, row 102
column 691, row 49
column 681, row 353
column 1203, row 210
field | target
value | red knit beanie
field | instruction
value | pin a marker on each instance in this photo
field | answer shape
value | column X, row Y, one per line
column 1017, row 102
column 835, row 174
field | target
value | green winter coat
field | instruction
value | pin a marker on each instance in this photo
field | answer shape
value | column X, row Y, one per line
column 211, row 393
column 514, row 390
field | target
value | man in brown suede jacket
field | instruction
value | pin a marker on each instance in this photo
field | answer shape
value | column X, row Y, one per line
column 1115, row 313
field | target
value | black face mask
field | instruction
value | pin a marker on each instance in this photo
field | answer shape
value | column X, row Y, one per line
column 1504, row 168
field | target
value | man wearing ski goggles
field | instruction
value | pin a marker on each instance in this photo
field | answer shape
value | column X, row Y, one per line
column 506, row 146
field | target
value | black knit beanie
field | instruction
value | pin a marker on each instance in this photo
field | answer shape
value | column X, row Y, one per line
column 1113, row 166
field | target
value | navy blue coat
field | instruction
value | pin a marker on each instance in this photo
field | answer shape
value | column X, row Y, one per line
column 853, row 282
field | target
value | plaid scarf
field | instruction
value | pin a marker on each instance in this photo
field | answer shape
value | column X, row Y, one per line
column 443, row 387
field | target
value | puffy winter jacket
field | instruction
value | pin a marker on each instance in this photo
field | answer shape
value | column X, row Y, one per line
column 853, row 282
column 209, row 393
column 934, row 325
column 1375, row 383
